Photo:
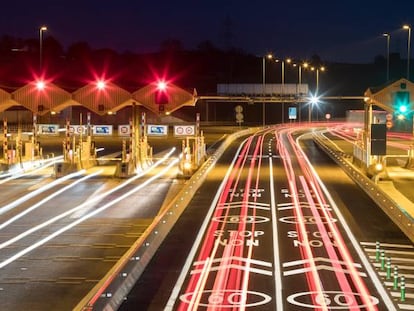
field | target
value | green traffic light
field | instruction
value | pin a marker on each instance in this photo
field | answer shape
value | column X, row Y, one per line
column 403, row 108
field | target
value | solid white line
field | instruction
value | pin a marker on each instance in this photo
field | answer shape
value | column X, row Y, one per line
column 405, row 306
column 190, row 258
column 390, row 251
column 388, row 244
column 243, row 259
column 391, row 284
column 276, row 258
column 398, row 295
column 399, row 266
column 319, row 267
column 406, row 276
column 234, row 266
column 316, row 259
column 395, row 259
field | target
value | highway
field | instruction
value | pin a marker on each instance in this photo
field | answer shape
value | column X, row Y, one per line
column 270, row 230
column 59, row 237
column 275, row 226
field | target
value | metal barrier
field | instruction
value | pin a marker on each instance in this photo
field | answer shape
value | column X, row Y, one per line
column 387, row 203
column 111, row 291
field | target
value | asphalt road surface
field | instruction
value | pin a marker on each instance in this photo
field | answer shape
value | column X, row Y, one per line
column 270, row 230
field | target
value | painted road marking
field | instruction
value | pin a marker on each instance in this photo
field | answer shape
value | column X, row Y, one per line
column 315, row 259
column 234, row 266
column 290, row 205
column 254, row 205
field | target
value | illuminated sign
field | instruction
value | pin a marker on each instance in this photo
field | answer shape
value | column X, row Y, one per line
column 48, row 129
column 184, row 130
column 124, row 130
column 157, row 130
column 102, row 130
column 292, row 113
column 77, row 129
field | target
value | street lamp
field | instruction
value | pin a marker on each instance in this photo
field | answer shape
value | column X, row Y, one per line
column 317, row 77
column 288, row 60
column 300, row 66
column 408, row 27
column 388, row 36
column 304, row 65
column 322, row 68
column 41, row 30
column 267, row 56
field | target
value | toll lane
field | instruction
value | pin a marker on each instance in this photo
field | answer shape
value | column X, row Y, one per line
column 267, row 234
column 63, row 247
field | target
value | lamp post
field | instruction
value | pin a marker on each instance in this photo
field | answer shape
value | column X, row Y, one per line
column 288, row 60
column 267, row 56
column 322, row 68
column 41, row 30
column 317, row 79
column 298, row 91
column 388, row 36
column 408, row 27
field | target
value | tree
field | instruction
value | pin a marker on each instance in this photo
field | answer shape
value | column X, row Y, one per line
column 78, row 51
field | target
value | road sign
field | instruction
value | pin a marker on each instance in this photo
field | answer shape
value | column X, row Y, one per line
column 77, row 129
column 388, row 124
column 292, row 113
column 102, row 130
column 157, row 130
column 124, row 130
column 48, row 129
column 184, row 130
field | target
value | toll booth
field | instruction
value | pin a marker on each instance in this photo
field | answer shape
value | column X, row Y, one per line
column 395, row 99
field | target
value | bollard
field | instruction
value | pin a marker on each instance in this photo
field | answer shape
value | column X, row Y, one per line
column 395, row 277
column 388, row 268
column 402, row 288
column 382, row 260
column 377, row 251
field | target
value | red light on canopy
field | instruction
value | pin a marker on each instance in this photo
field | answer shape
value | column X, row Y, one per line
column 162, row 85
column 40, row 85
column 100, row 84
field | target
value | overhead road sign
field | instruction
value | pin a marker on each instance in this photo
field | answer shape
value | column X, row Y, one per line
column 48, row 129
column 124, row 130
column 104, row 130
column 157, row 130
column 184, row 130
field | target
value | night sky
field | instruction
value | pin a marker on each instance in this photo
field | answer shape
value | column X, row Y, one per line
column 343, row 31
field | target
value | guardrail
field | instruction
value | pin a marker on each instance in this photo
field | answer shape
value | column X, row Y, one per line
column 388, row 204
column 111, row 290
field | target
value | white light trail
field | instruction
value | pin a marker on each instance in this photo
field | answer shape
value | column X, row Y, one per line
column 87, row 216
column 67, row 213
column 352, row 238
column 48, row 198
column 22, row 171
column 34, row 193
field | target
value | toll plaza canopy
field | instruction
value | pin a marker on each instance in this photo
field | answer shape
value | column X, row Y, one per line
column 99, row 97
column 391, row 95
